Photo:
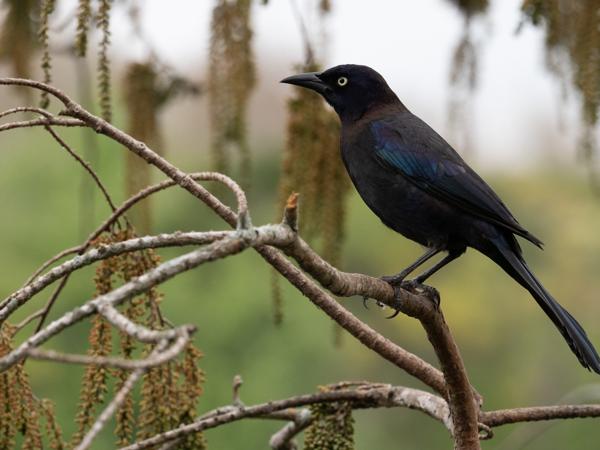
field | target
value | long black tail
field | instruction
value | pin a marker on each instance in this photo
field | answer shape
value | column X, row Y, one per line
column 573, row 333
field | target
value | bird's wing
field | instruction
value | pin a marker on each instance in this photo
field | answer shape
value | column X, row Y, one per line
column 411, row 148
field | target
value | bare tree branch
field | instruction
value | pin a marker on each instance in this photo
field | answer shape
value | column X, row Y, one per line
column 19, row 297
column 282, row 440
column 103, row 361
column 84, row 164
column 43, row 122
column 537, row 413
column 369, row 396
column 240, row 240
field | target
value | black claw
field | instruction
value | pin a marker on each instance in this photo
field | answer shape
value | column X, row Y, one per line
column 396, row 312
column 365, row 304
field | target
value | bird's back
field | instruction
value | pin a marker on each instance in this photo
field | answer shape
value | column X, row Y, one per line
column 413, row 179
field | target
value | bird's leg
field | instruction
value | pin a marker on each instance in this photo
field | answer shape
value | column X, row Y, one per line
column 451, row 256
column 399, row 277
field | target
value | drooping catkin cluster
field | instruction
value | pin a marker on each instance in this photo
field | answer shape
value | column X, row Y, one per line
column 169, row 396
column 332, row 427
column 572, row 30
column 148, row 87
column 169, row 393
column 312, row 166
column 21, row 412
column 18, row 35
column 231, row 78
column 471, row 7
column 140, row 87
column 84, row 17
column 103, row 61
column 44, row 36
column 463, row 76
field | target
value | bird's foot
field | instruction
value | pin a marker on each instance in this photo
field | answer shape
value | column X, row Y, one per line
column 394, row 280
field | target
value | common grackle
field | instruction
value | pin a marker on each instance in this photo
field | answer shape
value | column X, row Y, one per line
column 419, row 186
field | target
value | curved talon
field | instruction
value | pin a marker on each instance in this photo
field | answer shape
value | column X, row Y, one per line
column 365, row 304
column 396, row 312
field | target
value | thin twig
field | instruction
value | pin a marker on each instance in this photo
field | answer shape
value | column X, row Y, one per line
column 84, row 164
column 51, row 301
column 117, row 400
column 120, row 211
column 46, row 264
column 105, row 361
column 43, row 122
column 231, row 245
column 177, row 239
column 21, row 109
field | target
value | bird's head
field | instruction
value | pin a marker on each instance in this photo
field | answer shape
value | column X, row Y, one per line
column 351, row 89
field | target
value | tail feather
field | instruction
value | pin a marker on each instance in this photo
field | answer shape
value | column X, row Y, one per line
column 571, row 330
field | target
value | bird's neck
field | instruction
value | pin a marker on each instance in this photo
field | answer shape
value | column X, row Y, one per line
column 352, row 117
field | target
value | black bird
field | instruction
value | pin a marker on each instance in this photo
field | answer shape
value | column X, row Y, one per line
column 419, row 186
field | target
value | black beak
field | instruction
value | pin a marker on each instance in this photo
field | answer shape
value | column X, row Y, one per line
column 308, row 80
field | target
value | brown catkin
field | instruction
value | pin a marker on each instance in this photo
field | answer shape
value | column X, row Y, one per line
column 45, row 11
column 103, row 60
column 312, row 166
column 21, row 412
column 231, row 79
column 471, row 7
column 140, row 86
column 84, row 16
column 169, row 393
column 53, row 430
column 572, row 31
column 18, row 35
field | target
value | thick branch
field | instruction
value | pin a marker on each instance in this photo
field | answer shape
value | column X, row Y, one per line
column 459, row 391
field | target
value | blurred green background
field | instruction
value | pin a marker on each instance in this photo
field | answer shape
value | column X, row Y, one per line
column 521, row 140
column 514, row 355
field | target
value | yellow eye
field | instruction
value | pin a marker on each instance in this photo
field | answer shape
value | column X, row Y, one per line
column 342, row 81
